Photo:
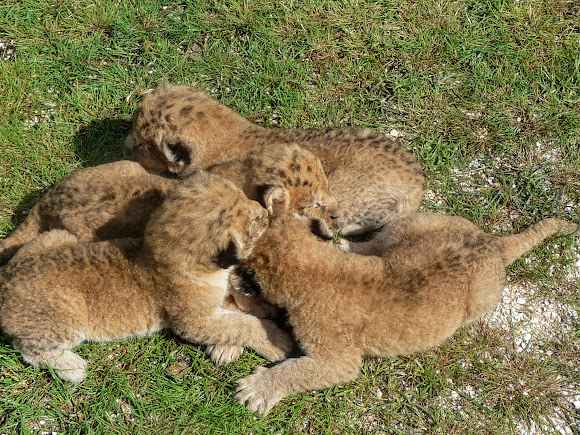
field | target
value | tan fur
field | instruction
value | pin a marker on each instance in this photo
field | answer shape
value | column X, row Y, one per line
column 115, row 200
column 371, row 176
column 98, row 203
column 56, row 293
column 435, row 274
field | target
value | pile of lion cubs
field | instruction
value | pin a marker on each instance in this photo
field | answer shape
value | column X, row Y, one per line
column 250, row 223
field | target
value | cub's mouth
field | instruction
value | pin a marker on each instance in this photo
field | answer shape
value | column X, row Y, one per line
column 229, row 256
column 245, row 282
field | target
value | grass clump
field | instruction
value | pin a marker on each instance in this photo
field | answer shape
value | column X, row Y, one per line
column 484, row 93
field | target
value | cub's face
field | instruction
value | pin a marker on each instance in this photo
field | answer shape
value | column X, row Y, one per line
column 205, row 222
column 294, row 182
column 147, row 153
column 312, row 202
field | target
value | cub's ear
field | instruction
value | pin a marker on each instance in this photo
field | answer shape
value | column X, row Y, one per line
column 230, row 255
column 177, row 153
column 277, row 200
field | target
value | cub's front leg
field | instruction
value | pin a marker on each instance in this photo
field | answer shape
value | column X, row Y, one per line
column 260, row 391
column 225, row 328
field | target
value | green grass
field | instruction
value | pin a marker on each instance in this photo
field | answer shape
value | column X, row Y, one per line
column 485, row 93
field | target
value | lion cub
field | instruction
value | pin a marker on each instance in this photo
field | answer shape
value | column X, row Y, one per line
column 435, row 274
column 371, row 176
column 115, row 200
column 103, row 202
column 57, row 293
column 284, row 179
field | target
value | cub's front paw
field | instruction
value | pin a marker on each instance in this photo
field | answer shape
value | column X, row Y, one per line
column 256, row 393
column 264, row 310
column 222, row 354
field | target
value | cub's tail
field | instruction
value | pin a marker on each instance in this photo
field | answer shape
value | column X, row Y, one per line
column 515, row 246
column 27, row 231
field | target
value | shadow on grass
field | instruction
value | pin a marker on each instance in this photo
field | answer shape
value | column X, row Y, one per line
column 101, row 141
column 4, row 340
column 24, row 206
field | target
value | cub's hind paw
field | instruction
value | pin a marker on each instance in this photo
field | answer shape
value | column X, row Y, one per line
column 67, row 365
column 222, row 354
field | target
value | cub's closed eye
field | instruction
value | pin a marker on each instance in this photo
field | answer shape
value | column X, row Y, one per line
column 316, row 205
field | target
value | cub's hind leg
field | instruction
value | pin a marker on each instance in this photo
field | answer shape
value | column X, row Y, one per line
column 45, row 351
column 67, row 365
column 26, row 232
column 44, row 325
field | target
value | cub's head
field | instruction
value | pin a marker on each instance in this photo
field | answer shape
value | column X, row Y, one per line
column 290, row 179
column 170, row 126
column 205, row 223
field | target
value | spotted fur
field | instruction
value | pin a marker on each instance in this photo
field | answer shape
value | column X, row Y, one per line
column 284, row 179
column 98, row 203
column 371, row 176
